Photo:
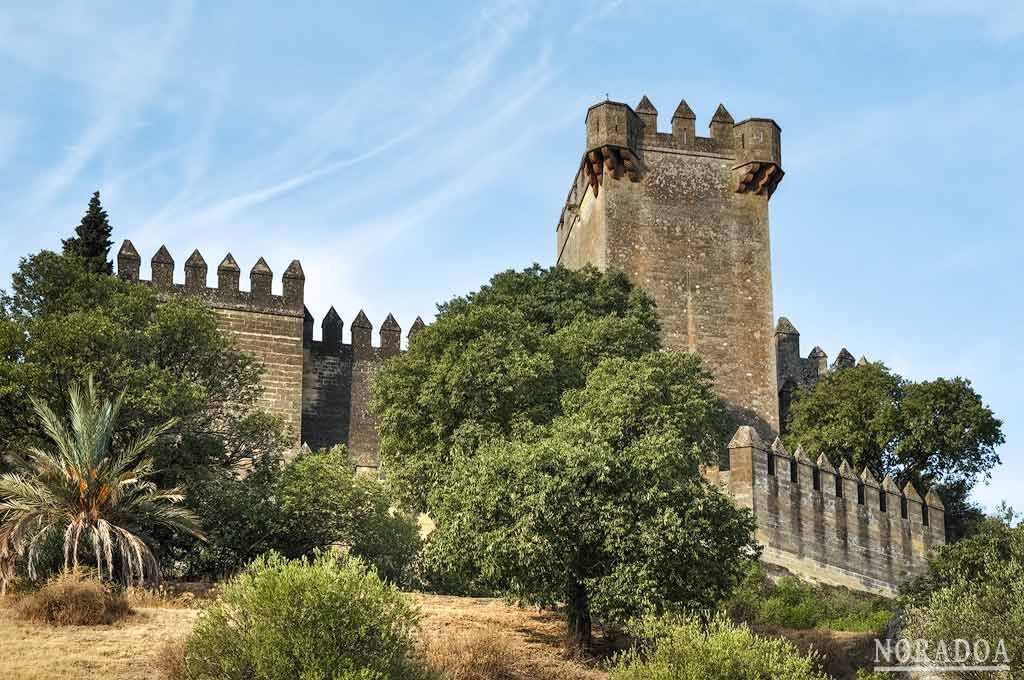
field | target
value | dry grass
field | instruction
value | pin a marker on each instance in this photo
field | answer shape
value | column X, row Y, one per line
column 74, row 600
column 123, row 651
column 511, row 644
column 169, row 660
column 485, row 639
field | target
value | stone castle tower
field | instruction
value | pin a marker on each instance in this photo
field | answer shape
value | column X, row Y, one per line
column 686, row 217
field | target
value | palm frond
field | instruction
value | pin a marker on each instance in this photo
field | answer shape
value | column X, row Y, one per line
column 88, row 491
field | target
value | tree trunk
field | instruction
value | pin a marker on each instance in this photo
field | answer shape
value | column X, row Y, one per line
column 579, row 631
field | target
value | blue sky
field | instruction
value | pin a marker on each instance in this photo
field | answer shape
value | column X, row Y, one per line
column 405, row 152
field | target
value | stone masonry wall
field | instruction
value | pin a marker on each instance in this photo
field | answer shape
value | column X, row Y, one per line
column 832, row 525
column 686, row 218
column 276, row 341
column 326, row 395
column 336, row 385
column 267, row 326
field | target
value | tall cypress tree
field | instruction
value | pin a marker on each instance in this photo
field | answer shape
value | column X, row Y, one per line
column 92, row 240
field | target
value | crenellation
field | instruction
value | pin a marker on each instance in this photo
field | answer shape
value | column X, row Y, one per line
column 128, row 262
column 293, row 284
column 362, row 331
column 162, row 269
column 416, row 327
column 649, row 117
column 261, row 280
column 331, row 329
column 721, row 126
column 195, row 272
column 390, row 337
column 844, row 360
column 228, row 275
column 828, row 524
column 684, row 125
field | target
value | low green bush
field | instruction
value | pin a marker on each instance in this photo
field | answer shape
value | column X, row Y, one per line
column 792, row 603
column 323, row 618
column 718, row 650
column 981, row 598
column 75, row 599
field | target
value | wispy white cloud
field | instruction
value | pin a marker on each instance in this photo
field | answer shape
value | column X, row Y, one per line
column 427, row 105
column 594, row 14
column 131, row 81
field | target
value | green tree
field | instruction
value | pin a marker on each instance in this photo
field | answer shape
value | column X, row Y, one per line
column 933, row 433
column 500, row 359
column 997, row 539
column 91, row 241
column 315, row 502
column 61, row 322
column 90, row 488
column 604, row 510
column 974, row 590
column 324, row 504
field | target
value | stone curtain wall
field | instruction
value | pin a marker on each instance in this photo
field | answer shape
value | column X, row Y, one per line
column 326, row 395
column 336, row 385
column 265, row 325
column 687, row 218
column 831, row 525
column 276, row 341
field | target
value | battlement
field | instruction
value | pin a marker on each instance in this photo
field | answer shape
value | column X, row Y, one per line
column 265, row 325
column 332, row 326
column 227, row 294
column 337, row 380
column 795, row 371
column 831, row 523
column 618, row 138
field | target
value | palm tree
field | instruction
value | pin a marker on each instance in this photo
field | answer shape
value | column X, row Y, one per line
column 81, row 486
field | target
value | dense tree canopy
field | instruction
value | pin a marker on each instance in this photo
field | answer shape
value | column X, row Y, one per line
column 974, row 590
column 604, row 509
column 937, row 432
column 91, row 241
column 61, row 322
column 500, row 359
column 314, row 502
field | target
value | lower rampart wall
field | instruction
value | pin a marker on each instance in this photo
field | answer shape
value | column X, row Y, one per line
column 828, row 525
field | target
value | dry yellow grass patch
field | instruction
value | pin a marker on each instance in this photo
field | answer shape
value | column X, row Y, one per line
column 485, row 639
column 467, row 638
column 122, row 651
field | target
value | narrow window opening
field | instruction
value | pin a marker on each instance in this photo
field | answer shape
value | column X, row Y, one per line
column 924, row 514
column 860, row 494
column 771, row 464
column 839, row 486
column 882, row 502
column 816, row 479
column 903, row 508
column 794, row 473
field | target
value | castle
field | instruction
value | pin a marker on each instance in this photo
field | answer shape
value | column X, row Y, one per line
column 686, row 217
